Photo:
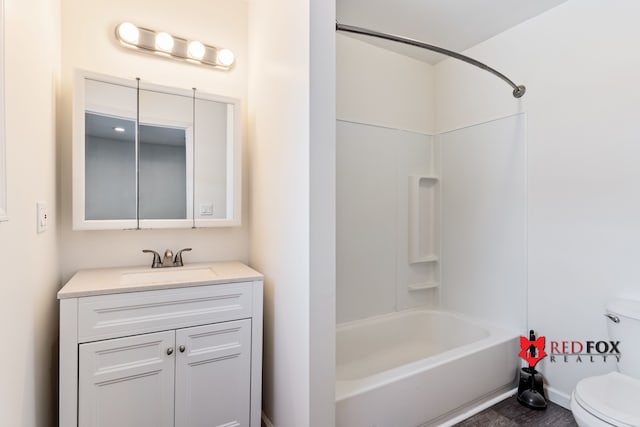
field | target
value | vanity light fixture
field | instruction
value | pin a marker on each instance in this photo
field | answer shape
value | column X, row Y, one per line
column 225, row 57
column 197, row 50
column 128, row 33
column 165, row 44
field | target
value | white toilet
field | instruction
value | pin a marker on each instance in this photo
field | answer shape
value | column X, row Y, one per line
column 614, row 399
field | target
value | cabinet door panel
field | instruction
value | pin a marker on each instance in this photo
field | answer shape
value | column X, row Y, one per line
column 127, row 382
column 213, row 375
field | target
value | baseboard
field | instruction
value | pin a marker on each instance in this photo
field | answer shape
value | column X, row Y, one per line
column 559, row 398
column 266, row 422
column 468, row 412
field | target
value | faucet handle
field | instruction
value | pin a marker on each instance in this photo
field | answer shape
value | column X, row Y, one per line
column 156, row 258
column 178, row 259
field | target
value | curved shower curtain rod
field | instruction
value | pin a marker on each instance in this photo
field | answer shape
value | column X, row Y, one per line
column 518, row 90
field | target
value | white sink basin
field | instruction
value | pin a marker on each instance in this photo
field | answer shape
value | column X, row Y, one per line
column 168, row 275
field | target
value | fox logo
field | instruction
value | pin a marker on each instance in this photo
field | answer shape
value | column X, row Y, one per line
column 532, row 351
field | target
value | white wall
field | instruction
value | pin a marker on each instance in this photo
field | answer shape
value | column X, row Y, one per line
column 380, row 87
column 322, row 205
column 88, row 43
column 292, row 120
column 29, row 275
column 579, row 62
column 279, row 136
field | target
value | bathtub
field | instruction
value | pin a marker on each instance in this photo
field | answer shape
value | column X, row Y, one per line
column 420, row 368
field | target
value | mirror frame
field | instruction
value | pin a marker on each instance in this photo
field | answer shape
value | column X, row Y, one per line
column 3, row 149
column 233, row 161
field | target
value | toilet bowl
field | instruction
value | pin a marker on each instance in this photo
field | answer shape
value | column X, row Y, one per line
column 607, row 400
column 613, row 399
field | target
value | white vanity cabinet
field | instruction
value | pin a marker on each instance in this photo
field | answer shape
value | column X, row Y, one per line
column 176, row 354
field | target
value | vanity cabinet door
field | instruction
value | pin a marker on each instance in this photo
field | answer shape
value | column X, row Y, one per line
column 127, row 382
column 213, row 373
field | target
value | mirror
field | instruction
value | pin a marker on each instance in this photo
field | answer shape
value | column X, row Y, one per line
column 166, row 130
column 147, row 156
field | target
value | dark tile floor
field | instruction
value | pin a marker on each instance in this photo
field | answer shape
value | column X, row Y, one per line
column 509, row 413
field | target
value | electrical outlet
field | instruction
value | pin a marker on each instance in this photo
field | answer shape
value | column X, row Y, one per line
column 206, row 209
column 41, row 219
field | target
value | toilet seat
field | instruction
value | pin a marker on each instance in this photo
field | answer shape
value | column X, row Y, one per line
column 613, row 398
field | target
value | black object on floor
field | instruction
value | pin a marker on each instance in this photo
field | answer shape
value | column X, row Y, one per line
column 531, row 385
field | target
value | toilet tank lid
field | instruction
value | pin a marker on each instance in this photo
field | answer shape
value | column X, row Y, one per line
column 625, row 307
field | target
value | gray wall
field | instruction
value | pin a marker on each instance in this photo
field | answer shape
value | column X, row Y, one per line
column 110, row 180
column 163, row 182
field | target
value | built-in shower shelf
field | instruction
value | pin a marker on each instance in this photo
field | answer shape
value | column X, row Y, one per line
column 417, row 178
column 422, row 223
column 425, row 259
column 422, row 286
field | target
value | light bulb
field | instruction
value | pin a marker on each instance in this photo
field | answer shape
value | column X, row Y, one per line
column 196, row 50
column 118, row 129
column 164, row 42
column 128, row 33
column 225, row 57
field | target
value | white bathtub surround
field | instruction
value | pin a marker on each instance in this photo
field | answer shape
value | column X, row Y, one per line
column 379, row 172
column 428, row 221
column 484, row 254
column 420, row 366
column 432, row 220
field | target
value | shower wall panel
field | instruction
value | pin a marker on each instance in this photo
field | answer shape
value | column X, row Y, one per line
column 373, row 169
column 484, row 220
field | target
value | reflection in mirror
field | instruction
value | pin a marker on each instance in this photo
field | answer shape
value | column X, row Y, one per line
column 211, row 133
column 109, row 151
column 110, row 167
column 163, row 173
column 166, row 126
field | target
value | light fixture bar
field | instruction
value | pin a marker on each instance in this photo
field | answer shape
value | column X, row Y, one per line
column 165, row 44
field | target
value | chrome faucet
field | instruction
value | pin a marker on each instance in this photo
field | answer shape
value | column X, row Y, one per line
column 177, row 261
column 169, row 260
column 156, row 258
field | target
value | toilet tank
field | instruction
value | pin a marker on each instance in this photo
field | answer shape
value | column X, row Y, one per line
column 627, row 331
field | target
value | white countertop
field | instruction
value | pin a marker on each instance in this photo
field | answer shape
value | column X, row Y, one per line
column 133, row 279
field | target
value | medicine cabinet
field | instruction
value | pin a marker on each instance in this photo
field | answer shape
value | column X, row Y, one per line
column 150, row 156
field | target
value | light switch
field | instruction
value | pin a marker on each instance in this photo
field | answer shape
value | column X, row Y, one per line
column 41, row 217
